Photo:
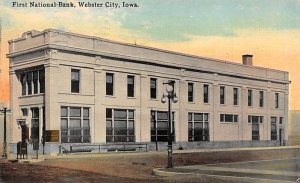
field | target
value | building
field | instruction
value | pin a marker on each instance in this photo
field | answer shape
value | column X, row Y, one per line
column 79, row 89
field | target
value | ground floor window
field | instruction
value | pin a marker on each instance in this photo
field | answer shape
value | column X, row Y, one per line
column 159, row 126
column 120, row 125
column 198, row 126
column 273, row 128
column 75, row 125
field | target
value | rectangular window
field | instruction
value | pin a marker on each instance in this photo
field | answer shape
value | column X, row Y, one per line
column 276, row 100
column 198, row 126
column 153, row 90
column 235, row 96
column 159, row 126
column 222, row 94
column 35, row 123
column 75, row 125
column 42, row 80
column 249, row 98
column 229, row 118
column 191, row 92
column 109, row 84
column 120, row 125
column 261, row 98
column 32, row 82
column 29, row 83
column 23, row 80
column 281, row 120
column 35, row 81
column 273, row 128
column 130, row 86
column 255, row 119
column 75, row 80
column 205, row 93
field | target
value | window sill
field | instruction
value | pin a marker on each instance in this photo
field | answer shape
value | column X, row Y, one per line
column 110, row 96
column 131, row 97
column 154, row 99
column 191, row 102
column 33, row 95
column 206, row 103
column 223, row 105
column 236, row 105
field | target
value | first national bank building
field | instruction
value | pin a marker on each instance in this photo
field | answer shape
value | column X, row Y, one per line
column 71, row 89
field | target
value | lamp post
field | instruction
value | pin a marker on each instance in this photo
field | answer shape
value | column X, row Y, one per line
column 171, row 96
column 4, row 111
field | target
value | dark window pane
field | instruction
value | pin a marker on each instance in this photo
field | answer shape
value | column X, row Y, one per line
column 42, row 80
column 29, row 83
column 130, row 86
column 75, row 111
column 205, row 93
column 153, row 88
column 119, row 113
column 222, row 95
column 190, row 92
column 235, row 96
column 75, row 79
column 63, row 111
column 108, row 113
column 109, row 84
column 261, row 98
column 35, row 82
column 86, row 112
column 249, row 97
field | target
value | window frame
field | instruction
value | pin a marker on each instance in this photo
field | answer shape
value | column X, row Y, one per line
column 153, row 90
column 130, row 86
column 75, row 83
column 250, row 98
column 109, row 86
column 190, row 92
column 235, row 96
column 261, row 98
column 205, row 93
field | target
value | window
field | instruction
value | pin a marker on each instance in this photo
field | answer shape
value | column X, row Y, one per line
column 42, row 80
column 109, row 84
column 249, row 98
column 281, row 120
column 261, row 98
column 235, row 96
column 205, row 93
column 75, row 80
column 120, row 125
column 35, row 123
column 159, row 126
column 153, row 89
column 191, row 92
column 130, row 86
column 35, row 81
column 228, row 118
column 75, row 125
column 23, row 83
column 32, row 82
column 276, row 100
column 222, row 94
column 273, row 128
column 24, row 112
column 29, row 83
column 255, row 119
column 198, row 126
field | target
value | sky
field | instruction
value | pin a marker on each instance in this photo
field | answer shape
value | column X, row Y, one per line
column 222, row 29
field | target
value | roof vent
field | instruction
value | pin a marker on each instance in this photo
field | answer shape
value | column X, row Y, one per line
column 247, row 59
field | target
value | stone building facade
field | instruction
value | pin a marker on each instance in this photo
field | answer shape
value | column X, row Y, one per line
column 69, row 88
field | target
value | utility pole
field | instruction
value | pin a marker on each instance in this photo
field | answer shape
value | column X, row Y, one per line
column 4, row 111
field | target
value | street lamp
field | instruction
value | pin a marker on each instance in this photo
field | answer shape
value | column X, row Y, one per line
column 171, row 96
column 4, row 111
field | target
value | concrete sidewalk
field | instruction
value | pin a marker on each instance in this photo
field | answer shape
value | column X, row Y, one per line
column 32, row 157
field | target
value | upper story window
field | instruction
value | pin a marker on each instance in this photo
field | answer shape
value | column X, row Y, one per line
column 229, row 118
column 205, row 93
column 75, row 80
column 130, row 86
column 280, row 120
column 261, row 98
column 191, row 92
column 222, row 94
column 153, row 90
column 249, row 98
column 109, row 84
column 276, row 100
column 32, row 82
column 235, row 96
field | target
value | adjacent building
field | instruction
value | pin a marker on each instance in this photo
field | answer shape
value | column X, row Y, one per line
column 69, row 88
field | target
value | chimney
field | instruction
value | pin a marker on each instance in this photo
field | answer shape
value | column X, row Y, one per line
column 247, row 60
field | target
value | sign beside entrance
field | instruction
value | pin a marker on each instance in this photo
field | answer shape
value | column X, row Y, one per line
column 52, row 135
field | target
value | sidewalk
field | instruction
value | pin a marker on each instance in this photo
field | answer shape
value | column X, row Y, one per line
column 41, row 157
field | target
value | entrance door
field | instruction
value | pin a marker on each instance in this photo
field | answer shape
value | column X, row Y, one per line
column 24, row 133
column 281, row 136
column 255, row 128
